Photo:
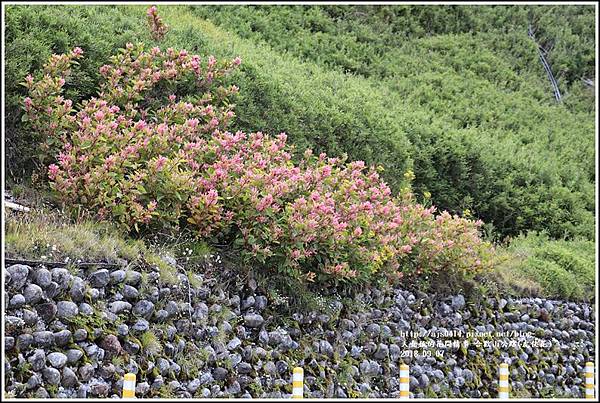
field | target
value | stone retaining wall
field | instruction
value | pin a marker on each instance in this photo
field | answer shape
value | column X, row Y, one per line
column 75, row 333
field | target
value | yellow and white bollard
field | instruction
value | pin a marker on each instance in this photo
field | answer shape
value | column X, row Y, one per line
column 404, row 381
column 589, row 380
column 129, row 386
column 503, row 382
column 298, row 383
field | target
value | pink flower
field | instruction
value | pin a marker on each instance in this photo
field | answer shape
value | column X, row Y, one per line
column 160, row 162
column 52, row 171
column 357, row 232
column 211, row 197
column 265, row 202
column 99, row 115
column 77, row 52
column 237, row 61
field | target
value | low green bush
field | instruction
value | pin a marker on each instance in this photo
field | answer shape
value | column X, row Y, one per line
column 551, row 268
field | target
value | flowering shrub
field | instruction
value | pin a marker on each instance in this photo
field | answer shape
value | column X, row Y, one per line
column 47, row 112
column 148, row 159
column 158, row 29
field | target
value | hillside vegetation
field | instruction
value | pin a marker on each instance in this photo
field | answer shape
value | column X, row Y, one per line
column 455, row 94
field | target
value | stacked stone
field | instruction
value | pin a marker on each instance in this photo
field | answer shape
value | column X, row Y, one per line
column 76, row 333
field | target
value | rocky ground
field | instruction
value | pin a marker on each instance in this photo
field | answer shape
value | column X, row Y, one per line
column 75, row 333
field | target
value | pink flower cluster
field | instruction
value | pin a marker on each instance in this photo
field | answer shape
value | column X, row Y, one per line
column 149, row 160
column 158, row 29
column 47, row 112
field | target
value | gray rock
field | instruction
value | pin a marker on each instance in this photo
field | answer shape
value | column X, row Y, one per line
column 94, row 293
column 220, row 373
column 73, row 355
column 235, row 359
column 62, row 337
column 18, row 274
column 159, row 382
column 355, row 351
column 69, row 378
column 57, row 359
column 206, row 378
column 141, row 325
column 66, row 309
column 24, row 341
column 37, row 360
column 234, row 388
column 30, row 317
column 130, row 293
column 43, row 338
column 326, row 348
column 33, row 294
column 61, row 277
column 369, row 368
column 94, row 352
column 161, row 316
column 77, row 291
column 468, row 375
column 117, row 276
column 80, row 335
column 253, row 320
column 46, row 311
column 99, row 388
column 42, row 393
column 234, row 344
column 86, row 372
column 423, row 381
column 131, row 347
column 16, row 301
column 163, row 366
column 123, row 330
column 86, row 309
column 373, row 329
column 143, row 309
column 51, row 375
column 458, row 302
column 247, row 303
column 99, row 278
column 260, row 302
column 244, row 368
column 118, row 307
column 34, row 381
column 438, row 374
column 381, row 352
column 9, row 343
column 172, row 308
